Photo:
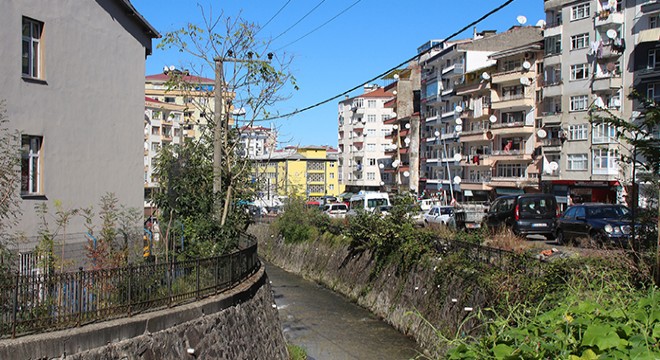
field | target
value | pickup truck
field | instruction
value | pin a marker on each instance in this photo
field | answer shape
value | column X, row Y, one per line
column 470, row 215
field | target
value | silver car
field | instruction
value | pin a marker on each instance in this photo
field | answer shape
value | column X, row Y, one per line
column 335, row 210
column 440, row 215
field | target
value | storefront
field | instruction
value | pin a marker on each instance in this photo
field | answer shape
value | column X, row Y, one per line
column 570, row 192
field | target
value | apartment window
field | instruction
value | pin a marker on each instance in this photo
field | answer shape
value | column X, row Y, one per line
column 371, row 118
column 155, row 146
column 579, row 103
column 30, row 164
column 654, row 59
column 654, row 21
column 553, row 75
column 31, row 53
column 512, row 92
column 371, row 176
column 577, row 132
column 579, row 72
column 553, row 45
column 371, row 147
column 332, row 175
column 169, row 99
column 371, row 104
column 155, row 130
column 513, row 117
column 577, row 162
column 511, row 170
column 371, row 162
column 359, row 102
column 605, row 161
column 579, row 41
column 603, row 133
column 653, row 92
column 371, row 132
column 383, row 147
column 510, row 65
column 177, row 132
column 385, row 117
column 580, row 11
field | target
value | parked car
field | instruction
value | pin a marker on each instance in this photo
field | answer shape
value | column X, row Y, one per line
column 525, row 214
column 601, row 224
column 440, row 215
column 335, row 210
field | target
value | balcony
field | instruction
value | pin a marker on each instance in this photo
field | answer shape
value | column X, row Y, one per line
column 449, row 136
column 456, row 69
column 551, row 117
column 608, row 52
column 502, row 155
column 606, row 83
column 551, row 145
column 517, row 127
column 651, row 6
column 508, row 76
column 431, row 119
column 512, row 101
column 447, row 92
column 649, row 35
column 609, row 20
column 552, row 29
column 448, row 114
column 552, row 89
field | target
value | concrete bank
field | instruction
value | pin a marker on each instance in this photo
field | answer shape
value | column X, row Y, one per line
column 239, row 324
column 406, row 301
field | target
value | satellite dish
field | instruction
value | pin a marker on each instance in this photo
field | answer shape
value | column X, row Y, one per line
column 457, row 179
column 458, row 109
column 459, row 121
column 172, row 68
column 485, row 76
column 522, row 20
column 406, row 173
column 407, row 125
column 382, row 183
column 493, row 118
column 396, row 76
column 165, row 68
column 394, row 92
column 524, row 81
column 458, row 128
column 437, row 133
column 489, row 135
column 554, row 166
column 395, row 163
column 526, row 65
column 540, row 23
column 406, row 140
column 612, row 34
column 395, row 126
column 381, row 166
column 541, row 134
column 394, row 114
column 458, row 157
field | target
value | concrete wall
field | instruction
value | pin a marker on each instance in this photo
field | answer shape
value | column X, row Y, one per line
column 88, row 104
column 394, row 297
column 240, row 324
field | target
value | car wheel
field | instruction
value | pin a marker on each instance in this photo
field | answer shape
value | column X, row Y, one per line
column 560, row 238
column 550, row 236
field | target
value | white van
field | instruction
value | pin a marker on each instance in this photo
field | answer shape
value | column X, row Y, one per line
column 368, row 201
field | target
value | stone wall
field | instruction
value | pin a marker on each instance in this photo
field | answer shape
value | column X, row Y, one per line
column 240, row 324
column 411, row 302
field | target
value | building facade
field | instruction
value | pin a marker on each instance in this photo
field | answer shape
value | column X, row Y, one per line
column 76, row 98
column 257, row 141
column 362, row 139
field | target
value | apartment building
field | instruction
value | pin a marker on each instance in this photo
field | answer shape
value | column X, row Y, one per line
column 403, row 169
column 179, row 87
column 588, row 50
column 362, row 139
column 257, row 140
column 454, row 90
column 77, row 98
column 163, row 125
column 310, row 172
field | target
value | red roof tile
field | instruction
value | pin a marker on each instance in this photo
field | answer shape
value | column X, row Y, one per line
column 380, row 92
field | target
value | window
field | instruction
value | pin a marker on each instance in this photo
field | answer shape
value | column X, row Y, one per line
column 512, row 92
column 155, row 146
column 31, row 53
column 371, row 104
column 371, row 162
column 553, row 75
column 653, row 91
column 511, row 170
column 371, row 132
column 577, row 162
column 155, row 130
column 604, row 133
column 358, row 103
column 654, row 21
column 332, row 175
column 579, row 72
column 580, row 11
column 30, row 164
column 579, row 103
column 513, row 117
column 511, row 65
column 605, row 161
column 371, row 176
column 577, row 132
column 579, row 41
column 169, row 99
column 371, row 118
column 654, row 59
column 371, row 147
column 385, row 117
column 331, row 187
column 553, row 45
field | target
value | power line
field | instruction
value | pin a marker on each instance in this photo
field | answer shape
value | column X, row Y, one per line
column 298, row 22
column 272, row 17
column 466, row 27
column 320, row 26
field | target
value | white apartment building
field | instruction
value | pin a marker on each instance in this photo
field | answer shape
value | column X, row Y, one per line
column 362, row 139
column 257, row 141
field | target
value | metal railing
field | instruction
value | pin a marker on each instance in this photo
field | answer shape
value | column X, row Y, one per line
column 42, row 302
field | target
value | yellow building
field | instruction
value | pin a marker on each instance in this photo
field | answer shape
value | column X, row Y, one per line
column 310, row 172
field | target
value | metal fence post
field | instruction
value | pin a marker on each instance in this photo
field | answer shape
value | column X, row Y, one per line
column 15, row 307
column 81, row 275
column 130, row 288
column 197, row 277
column 169, row 282
column 215, row 274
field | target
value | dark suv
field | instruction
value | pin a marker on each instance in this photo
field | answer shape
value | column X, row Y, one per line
column 527, row 214
column 601, row 224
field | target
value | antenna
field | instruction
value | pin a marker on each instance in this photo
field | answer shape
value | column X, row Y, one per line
column 540, row 23
column 172, row 68
column 522, row 20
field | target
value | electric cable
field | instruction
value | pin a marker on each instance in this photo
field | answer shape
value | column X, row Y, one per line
column 320, row 26
column 466, row 27
column 272, row 17
column 298, row 22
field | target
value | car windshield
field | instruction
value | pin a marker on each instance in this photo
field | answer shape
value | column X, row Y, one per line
column 446, row 211
column 373, row 203
column 607, row 212
column 537, row 206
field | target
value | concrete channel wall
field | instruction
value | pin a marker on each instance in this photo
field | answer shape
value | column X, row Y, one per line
column 239, row 324
column 410, row 302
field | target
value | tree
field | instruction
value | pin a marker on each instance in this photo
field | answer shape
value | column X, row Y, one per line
column 251, row 84
column 642, row 136
column 9, row 180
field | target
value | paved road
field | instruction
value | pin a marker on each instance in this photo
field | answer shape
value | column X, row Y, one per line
column 330, row 327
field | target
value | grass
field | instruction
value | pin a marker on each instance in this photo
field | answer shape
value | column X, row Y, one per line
column 296, row 352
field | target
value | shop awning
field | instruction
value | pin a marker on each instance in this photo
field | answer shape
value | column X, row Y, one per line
column 509, row 191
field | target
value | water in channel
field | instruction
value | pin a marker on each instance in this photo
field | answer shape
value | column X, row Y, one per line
column 329, row 326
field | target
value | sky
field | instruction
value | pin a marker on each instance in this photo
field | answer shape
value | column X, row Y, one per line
column 369, row 38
